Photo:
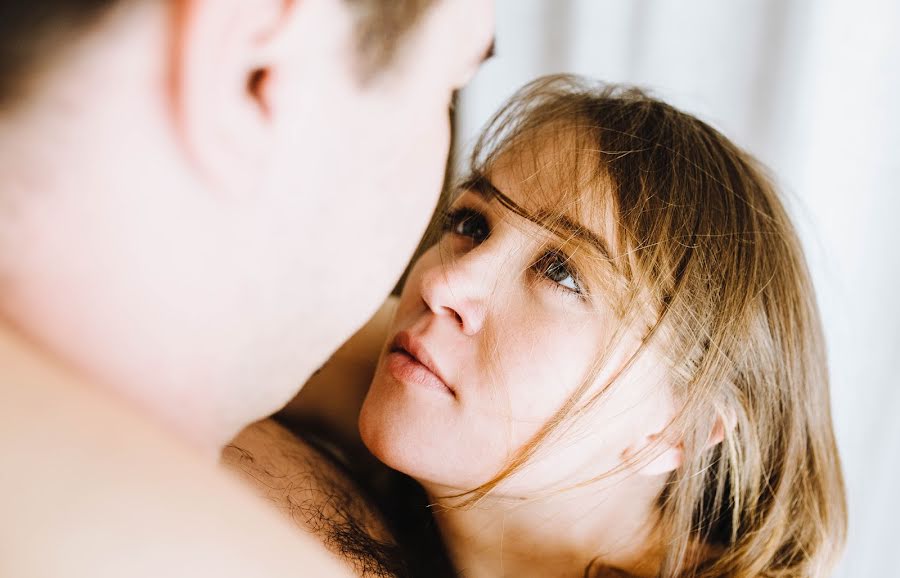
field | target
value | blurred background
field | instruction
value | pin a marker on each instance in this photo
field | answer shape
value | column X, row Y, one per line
column 812, row 88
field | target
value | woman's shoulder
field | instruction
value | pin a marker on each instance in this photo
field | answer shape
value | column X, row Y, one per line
column 314, row 487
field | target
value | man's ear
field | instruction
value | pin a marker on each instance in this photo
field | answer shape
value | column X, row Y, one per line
column 225, row 55
column 661, row 452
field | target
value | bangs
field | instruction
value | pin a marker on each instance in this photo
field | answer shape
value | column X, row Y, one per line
column 562, row 156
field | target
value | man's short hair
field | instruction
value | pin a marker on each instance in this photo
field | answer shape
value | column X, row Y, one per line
column 31, row 32
column 381, row 25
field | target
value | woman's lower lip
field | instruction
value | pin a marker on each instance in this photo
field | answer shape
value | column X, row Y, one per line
column 407, row 370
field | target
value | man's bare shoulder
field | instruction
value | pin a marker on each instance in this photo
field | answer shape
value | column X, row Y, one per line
column 317, row 494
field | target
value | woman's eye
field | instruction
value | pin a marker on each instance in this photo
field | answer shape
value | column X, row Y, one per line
column 467, row 223
column 555, row 267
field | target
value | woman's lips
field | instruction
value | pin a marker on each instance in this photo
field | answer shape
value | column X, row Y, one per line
column 407, row 368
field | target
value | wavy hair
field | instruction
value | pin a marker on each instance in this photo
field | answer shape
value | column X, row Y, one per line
column 705, row 250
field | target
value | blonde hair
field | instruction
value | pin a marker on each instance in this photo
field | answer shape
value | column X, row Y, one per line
column 703, row 241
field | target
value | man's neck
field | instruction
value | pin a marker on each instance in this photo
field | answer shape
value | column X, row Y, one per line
column 112, row 494
column 24, row 366
column 33, row 377
column 606, row 524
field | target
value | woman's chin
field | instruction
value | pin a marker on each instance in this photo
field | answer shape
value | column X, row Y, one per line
column 422, row 455
column 391, row 443
column 429, row 436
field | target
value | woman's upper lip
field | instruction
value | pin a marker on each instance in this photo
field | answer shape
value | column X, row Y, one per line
column 414, row 346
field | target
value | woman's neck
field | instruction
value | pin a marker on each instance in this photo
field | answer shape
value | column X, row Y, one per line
column 606, row 524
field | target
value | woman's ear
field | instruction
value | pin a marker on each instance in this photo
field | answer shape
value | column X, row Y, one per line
column 659, row 455
column 225, row 54
column 726, row 419
column 663, row 452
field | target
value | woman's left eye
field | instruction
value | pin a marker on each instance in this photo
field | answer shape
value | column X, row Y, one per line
column 555, row 267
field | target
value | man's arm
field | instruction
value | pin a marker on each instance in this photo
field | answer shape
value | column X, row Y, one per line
column 316, row 493
column 90, row 489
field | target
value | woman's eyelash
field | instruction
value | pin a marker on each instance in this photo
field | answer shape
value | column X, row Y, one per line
column 555, row 266
column 466, row 222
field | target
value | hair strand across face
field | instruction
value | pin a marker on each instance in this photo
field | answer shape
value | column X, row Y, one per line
column 707, row 261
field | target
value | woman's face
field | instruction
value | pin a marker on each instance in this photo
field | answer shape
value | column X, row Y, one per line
column 495, row 330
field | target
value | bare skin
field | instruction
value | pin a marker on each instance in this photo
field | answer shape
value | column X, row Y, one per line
column 282, row 468
column 163, row 185
column 86, row 455
column 312, row 491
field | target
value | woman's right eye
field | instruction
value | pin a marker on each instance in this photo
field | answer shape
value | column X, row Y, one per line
column 467, row 223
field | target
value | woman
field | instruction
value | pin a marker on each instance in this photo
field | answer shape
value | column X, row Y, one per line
column 611, row 357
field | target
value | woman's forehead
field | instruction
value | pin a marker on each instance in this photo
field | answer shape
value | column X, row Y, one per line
column 557, row 167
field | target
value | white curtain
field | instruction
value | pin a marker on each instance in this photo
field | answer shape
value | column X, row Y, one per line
column 811, row 87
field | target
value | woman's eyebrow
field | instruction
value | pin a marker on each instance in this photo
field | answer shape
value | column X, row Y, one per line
column 579, row 231
column 480, row 185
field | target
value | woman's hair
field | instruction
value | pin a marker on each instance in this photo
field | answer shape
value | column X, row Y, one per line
column 32, row 32
column 701, row 246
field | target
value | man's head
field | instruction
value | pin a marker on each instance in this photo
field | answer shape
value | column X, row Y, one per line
column 202, row 198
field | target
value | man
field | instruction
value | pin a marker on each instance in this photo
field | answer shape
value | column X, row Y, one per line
column 200, row 200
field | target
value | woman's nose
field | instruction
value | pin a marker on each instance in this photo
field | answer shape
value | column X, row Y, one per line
column 458, row 289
